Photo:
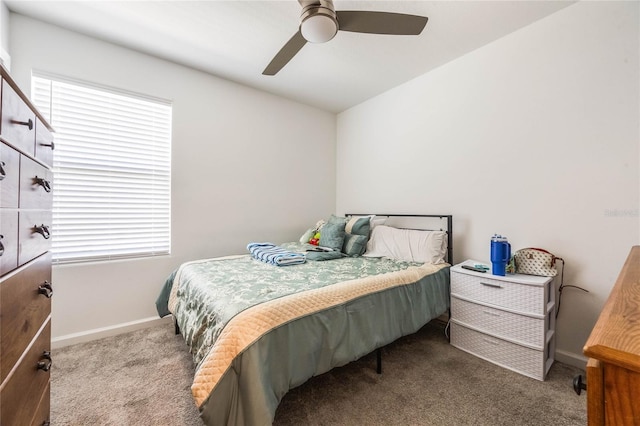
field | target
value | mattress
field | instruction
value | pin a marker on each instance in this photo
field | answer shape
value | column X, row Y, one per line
column 257, row 330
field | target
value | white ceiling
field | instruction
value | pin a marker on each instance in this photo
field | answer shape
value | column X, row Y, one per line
column 235, row 40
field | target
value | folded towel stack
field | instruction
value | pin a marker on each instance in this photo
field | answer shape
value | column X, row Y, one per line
column 275, row 255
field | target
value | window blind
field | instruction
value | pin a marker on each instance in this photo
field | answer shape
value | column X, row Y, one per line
column 112, row 171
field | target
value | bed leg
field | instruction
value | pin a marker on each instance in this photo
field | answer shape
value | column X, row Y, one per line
column 175, row 325
column 379, row 360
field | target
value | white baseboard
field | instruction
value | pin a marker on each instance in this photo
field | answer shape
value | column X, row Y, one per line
column 569, row 358
column 99, row 333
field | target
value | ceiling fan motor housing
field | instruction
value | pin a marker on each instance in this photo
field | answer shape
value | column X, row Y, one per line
column 318, row 21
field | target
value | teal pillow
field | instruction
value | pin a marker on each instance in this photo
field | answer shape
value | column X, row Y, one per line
column 354, row 245
column 356, row 233
column 358, row 226
column 337, row 220
column 332, row 235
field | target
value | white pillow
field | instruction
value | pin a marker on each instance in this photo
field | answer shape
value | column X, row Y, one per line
column 407, row 244
column 377, row 221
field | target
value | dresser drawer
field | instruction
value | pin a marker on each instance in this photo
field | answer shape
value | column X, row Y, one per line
column 9, row 176
column 36, row 184
column 509, row 295
column 23, row 390
column 34, row 234
column 530, row 362
column 18, row 124
column 9, row 240
column 44, row 143
column 24, row 305
column 42, row 415
column 514, row 327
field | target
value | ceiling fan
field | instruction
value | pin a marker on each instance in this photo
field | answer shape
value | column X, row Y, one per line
column 319, row 23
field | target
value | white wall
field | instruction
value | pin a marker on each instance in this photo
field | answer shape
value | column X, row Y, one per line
column 535, row 136
column 4, row 35
column 230, row 145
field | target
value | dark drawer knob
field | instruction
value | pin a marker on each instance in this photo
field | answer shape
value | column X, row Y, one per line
column 42, row 230
column 50, row 145
column 1, row 245
column 46, row 423
column 45, row 365
column 46, row 289
column 3, row 174
column 43, row 183
column 578, row 384
column 28, row 123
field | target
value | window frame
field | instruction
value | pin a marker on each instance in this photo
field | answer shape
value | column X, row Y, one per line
column 128, row 193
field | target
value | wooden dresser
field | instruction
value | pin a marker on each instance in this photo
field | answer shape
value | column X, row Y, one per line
column 26, row 182
column 613, row 348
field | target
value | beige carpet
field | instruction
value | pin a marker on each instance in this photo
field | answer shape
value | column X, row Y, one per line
column 143, row 378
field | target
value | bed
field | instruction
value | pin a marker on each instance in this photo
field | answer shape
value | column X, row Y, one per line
column 256, row 330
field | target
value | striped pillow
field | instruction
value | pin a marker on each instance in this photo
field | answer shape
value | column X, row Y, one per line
column 354, row 245
column 358, row 226
column 356, row 235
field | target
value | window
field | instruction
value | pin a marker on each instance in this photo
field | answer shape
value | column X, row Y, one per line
column 112, row 171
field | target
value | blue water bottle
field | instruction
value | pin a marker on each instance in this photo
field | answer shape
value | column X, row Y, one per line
column 500, row 254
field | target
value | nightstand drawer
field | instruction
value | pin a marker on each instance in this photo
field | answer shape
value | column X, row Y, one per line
column 514, row 327
column 516, row 297
column 23, row 390
column 530, row 362
column 24, row 306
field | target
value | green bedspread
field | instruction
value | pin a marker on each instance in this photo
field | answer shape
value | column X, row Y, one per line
column 215, row 290
column 206, row 296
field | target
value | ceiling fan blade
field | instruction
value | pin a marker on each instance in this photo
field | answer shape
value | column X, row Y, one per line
column 285, row 54
column 360, row 21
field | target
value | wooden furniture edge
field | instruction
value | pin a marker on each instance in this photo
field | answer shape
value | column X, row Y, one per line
column 595, row 393
column 615, row 338
column 5, row 75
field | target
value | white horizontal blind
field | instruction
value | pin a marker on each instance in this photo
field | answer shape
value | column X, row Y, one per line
column 112, row 171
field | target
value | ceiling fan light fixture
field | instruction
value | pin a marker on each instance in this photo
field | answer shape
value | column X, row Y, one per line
column 319, row 24
column 318, row 27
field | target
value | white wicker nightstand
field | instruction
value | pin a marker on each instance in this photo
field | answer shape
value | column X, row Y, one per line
column 509, row 321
